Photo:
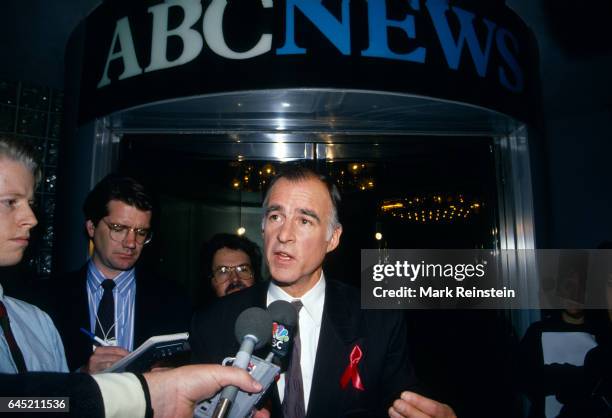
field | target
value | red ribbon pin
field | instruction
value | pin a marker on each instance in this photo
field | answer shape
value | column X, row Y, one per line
column 351, row 372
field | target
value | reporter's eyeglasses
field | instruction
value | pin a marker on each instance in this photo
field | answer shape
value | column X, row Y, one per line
column 120, row 232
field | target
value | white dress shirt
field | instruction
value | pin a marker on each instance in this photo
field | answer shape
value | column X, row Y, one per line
column 124, row 295
column 311, row 315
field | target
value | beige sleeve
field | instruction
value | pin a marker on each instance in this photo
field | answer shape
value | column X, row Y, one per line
column 122, row 394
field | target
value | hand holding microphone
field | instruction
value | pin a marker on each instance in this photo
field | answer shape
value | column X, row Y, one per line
column 253, row 331
column 254, row 328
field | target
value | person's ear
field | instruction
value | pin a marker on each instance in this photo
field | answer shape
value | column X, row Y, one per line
column 335, row 239
column 90, row 227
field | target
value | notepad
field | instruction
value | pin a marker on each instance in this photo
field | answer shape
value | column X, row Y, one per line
column 159, row 348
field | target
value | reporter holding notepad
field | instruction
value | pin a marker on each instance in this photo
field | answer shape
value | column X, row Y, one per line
column 111, row 296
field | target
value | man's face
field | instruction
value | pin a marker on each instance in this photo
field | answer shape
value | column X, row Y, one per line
column 16, row 216
column 114, row 256
column 232, row 271
column 295, row 233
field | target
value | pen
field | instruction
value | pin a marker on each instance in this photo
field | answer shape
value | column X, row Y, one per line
column 96, row 339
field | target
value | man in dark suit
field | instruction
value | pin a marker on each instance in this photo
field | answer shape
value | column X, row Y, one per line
column 350, row 362
column 121, row 304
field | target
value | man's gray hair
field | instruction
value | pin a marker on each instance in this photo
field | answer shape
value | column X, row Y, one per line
column 21, row 152
column 295, row 173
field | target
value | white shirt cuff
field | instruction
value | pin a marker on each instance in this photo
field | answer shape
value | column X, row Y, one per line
column 122, row 395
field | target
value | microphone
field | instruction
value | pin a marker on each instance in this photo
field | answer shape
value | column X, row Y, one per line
column 284, row 325
column 252, row 331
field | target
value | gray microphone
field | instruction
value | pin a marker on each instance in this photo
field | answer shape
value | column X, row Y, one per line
column 253, row 331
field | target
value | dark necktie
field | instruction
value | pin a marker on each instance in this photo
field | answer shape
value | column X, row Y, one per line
column 293, row 401
column 105, row 328
column 10, row 339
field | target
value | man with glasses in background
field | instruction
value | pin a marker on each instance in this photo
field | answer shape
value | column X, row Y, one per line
column 121, row 304
column 231, row 263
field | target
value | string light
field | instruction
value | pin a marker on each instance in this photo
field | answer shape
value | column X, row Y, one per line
column 392, row 206
column 433, row 208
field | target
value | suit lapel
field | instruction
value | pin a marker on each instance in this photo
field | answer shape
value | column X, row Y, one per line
column 78, row 317
column 82, row 308
column 339, row 334
column 261, row 295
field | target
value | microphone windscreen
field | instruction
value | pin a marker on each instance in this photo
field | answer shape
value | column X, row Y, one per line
column 283, row 312
column 254, row 321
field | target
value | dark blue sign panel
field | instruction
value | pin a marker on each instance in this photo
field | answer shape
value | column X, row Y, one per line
column 140, row 52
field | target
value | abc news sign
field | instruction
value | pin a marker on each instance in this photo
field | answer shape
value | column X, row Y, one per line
column 142, row 52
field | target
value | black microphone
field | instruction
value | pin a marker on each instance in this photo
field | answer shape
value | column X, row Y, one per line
column 284, row 325
column 252, row 331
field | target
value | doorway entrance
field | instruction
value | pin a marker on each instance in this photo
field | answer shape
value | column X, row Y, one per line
column 397, row 192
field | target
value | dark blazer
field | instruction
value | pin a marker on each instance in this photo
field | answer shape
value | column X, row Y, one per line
column 385, row 368
column 161, row 308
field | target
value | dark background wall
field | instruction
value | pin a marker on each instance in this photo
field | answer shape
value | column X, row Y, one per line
column 570, row 160
column 572, row 175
